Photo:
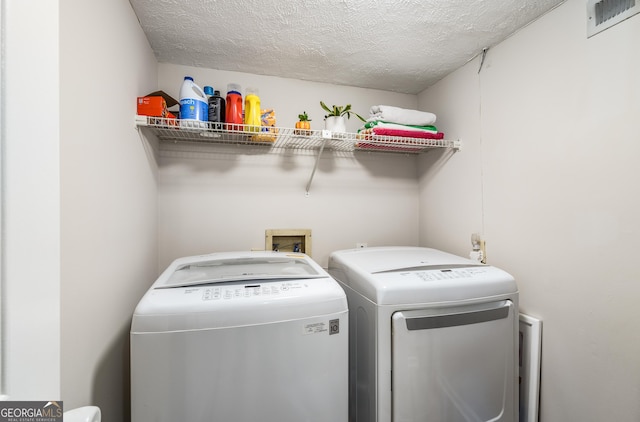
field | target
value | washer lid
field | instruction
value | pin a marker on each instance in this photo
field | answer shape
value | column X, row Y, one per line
column 237, row 289
column 224, row 268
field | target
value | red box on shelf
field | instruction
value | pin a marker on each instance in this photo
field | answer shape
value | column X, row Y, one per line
column 152, row 106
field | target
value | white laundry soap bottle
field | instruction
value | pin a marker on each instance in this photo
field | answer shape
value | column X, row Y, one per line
column 193, row 104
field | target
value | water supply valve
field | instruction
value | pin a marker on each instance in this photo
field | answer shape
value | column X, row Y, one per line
column 478, row 251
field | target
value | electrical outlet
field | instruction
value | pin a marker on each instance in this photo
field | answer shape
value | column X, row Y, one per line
column 361, row 245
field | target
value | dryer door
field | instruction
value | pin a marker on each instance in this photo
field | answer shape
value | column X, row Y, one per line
column 455, row 364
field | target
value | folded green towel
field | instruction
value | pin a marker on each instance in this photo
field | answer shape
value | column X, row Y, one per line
column 391, row 125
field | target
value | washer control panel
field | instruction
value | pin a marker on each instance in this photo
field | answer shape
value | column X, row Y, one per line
column 235, row 292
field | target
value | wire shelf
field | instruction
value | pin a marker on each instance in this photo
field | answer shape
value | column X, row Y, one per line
column 175, row 130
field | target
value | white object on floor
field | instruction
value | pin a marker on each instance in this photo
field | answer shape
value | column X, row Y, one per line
column 83, row 414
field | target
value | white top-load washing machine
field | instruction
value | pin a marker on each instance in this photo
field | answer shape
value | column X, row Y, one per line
column 241, row 337
column 433, row 336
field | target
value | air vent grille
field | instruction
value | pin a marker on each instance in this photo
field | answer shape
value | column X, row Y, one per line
column 604, row 14
column 609, row 9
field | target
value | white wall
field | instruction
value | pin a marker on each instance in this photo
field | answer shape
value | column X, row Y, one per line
column 108, row 199
column 550, row 175
column 31, row 202
column 215, row 199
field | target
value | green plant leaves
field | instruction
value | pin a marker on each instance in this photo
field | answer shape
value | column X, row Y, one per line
column 339, row 111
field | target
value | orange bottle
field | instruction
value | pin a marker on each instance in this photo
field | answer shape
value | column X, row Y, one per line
column 233, row 115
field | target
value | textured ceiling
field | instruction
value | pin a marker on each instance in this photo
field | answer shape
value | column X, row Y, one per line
column 396, row 45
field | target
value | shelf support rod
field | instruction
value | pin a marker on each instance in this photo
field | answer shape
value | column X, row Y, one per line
column 325, row 135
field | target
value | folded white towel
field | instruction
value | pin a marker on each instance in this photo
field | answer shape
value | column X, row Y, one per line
column 401, row 115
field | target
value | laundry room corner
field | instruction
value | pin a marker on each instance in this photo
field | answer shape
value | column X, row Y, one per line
column 451, row 195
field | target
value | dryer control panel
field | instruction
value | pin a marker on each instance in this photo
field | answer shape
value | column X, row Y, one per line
column 424, row 284
column 445, row 274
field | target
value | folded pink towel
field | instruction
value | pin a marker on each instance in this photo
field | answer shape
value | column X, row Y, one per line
column 403, row 133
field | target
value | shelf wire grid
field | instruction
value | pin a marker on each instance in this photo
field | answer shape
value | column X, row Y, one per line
column 175, row 131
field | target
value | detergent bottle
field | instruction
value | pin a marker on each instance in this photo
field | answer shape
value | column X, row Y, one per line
column 217, row 109
column 233, row 116
column 208, row 91
column 252, row 110
column 193, row 101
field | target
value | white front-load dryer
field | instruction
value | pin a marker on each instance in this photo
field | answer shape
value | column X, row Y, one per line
column 241, row 337
column 433, row 336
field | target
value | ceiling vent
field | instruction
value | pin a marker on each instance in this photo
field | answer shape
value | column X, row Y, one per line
column 603, row 14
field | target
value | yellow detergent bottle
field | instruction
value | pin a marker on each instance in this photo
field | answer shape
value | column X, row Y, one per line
column 252, row 110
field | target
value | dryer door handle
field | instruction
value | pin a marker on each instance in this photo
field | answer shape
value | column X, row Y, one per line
column 456, row 319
